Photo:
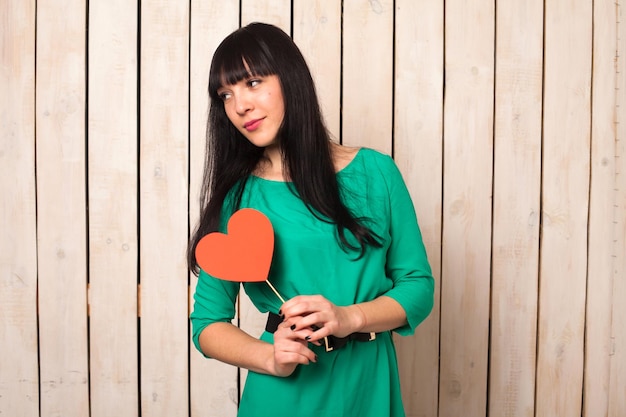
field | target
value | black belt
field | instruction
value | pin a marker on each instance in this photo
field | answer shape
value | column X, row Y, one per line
column 330, row 342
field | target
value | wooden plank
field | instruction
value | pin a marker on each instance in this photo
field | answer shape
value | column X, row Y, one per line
column 368, row 80
column 279, row 14
column 275, row 12
column 601, row 210
column 317, row 32
column 617, row 380
column 113, row 240
column 252, row 322
column 213, row 385
column 517, row 187
column 61, row 207
column 565, row 200
column 418, row 141
column 19, row 380
column 164, row 90
column 467, row 188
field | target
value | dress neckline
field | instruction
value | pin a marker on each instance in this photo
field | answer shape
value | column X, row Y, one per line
column 342, row 170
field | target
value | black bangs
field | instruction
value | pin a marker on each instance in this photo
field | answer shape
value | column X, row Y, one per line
column 238, row 57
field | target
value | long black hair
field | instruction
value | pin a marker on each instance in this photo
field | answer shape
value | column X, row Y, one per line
column 260, row 50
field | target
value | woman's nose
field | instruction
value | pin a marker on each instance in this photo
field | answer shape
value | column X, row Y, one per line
column 243, row 104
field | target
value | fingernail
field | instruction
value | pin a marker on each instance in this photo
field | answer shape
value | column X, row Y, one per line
column 307, row 338
column 293, row 327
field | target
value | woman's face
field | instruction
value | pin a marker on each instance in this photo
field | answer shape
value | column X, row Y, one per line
column 255, row 107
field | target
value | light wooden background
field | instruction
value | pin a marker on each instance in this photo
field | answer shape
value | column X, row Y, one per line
column 507, row 120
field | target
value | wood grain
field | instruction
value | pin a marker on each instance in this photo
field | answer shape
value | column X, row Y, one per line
column 565, row 202
column 418, row 152
column 61, row 208
column 367, row 77
column 467, row 189
column 317, row 32
column 275, row 12
column 163, row 202
column 516, row 206
column 112, row 182
column 19, row 379
column 617, row 351
column 602, row 197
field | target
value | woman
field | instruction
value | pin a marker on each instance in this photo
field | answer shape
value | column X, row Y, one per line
column 348, row 254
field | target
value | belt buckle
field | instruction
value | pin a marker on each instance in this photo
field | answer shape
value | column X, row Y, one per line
column 327, row 345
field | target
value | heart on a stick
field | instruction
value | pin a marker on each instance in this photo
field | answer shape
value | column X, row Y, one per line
column 244, row 253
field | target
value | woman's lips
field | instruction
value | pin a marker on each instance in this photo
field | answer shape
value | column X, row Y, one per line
column 252, row 125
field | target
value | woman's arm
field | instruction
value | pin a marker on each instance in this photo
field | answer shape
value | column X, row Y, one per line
column 227, row 343
column 380, row 315
column 216, row 337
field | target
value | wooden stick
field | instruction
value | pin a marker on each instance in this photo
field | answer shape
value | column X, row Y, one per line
column 274, row 289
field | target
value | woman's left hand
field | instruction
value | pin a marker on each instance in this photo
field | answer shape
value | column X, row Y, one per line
column 325, row 318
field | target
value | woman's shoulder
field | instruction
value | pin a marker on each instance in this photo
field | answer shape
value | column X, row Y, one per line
column 376, row 155
column 344, row 156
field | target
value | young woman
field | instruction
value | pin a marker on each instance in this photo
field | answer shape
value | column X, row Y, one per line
column 348, row 257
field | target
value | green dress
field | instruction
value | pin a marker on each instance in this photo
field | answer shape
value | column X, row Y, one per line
column 360, row 379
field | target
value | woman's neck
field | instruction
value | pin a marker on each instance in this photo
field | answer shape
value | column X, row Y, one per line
column 270, row 166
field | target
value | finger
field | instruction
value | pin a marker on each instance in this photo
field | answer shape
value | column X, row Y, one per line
column 300, row 299
column 285, row 332
column 303, row 305
column 290, row 323
column 290, row 333
column 294, row 322
column 288, row 358
column 315, row 320
column 317, row 336
column 312, row 313
column 307, row 335
column 293, row 352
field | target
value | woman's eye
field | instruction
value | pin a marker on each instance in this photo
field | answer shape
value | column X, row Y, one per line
column 224, row 96
column 254, row 82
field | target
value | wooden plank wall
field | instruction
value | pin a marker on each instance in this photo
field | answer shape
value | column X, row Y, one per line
column 113, row 207
column 507, row 122
column 62, row 238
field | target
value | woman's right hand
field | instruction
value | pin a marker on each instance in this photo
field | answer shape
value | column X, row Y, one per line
column 290, row 349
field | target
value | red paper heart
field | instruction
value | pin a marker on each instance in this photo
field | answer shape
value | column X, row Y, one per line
column 242, row 255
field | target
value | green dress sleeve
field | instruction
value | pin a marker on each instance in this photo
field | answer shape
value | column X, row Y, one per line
column 407, row 263
column 214, row 301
